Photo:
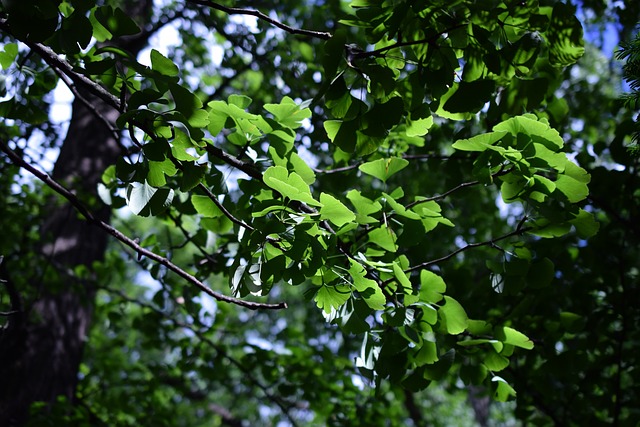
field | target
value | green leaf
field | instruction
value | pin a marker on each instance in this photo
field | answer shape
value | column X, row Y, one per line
column 442, row 112
column 145, row 200
column 384, row 237
column 494, row 361
column 503, row 390
column 116, row 21
column 100, row 33
column 352, row 316
column 205, row 206
column 240, row 101
column 335, row 211
column 383, row 116
column 470, row 96
column 364, row 207
column 383, row 169
column 402, row 278
column 430, row 214
column 190, row 106
column 301, row 168
column 288, row 113
column 418, row 127
column 438, row 370
column 539, row 131
column 334, row 53
column 400, row 209
column 545, row 228
column 479, row 327
column 180, row 146
column 330, row 298
column 479, row 142
column 585, row 224
column 158, row 170
column 572, row 322
column 291, row 185
column 343, row 134
column 473, row 374
column 432, row 287
column 367, row 288
column 163, row 65
column 453, row 316
column 426, row 354
column 76, row 32
column 192, row 175
column 511, row 336
column 573, row 182
column 8, row 55
column 541, row 273
column 566, row 43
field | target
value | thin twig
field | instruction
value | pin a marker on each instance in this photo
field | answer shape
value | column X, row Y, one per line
column 404, row 156
column 91, row 107
column 399, row 44
column 518, row 231
column 252, row 12
column 443, row 195
column 245, row 167
column 338, row 170
column 8, row 313
column 501, row 172
column 75, row 202
column 224, row 210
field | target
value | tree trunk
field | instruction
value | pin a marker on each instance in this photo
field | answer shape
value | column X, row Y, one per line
column 42, row 346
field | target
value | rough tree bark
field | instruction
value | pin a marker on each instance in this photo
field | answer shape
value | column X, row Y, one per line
column 42, row 346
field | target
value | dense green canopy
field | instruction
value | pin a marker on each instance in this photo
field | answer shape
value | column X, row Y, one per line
column 319, row 213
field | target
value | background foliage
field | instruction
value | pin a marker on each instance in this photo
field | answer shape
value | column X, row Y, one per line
column 364, row 213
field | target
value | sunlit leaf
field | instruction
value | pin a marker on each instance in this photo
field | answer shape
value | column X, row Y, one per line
column 383, row 169
column 205, row 206
column 332, row 297
column 453, row 316
column 291, row 185
column 334, row 210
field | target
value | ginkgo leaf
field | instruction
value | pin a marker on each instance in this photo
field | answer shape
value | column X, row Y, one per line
column 330, row 298
column 290, row 185
column 162, row 64
column 145, row 200
column 335, row 211
column 205, row 206
column 511, row 336
column 383, row 169
column 453, row 316
column 368, row 289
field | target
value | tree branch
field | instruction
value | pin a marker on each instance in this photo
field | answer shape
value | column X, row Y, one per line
column 501, row 172
column 252, row 12
column 51, row 57
column 245, row 167
column 75, row 202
